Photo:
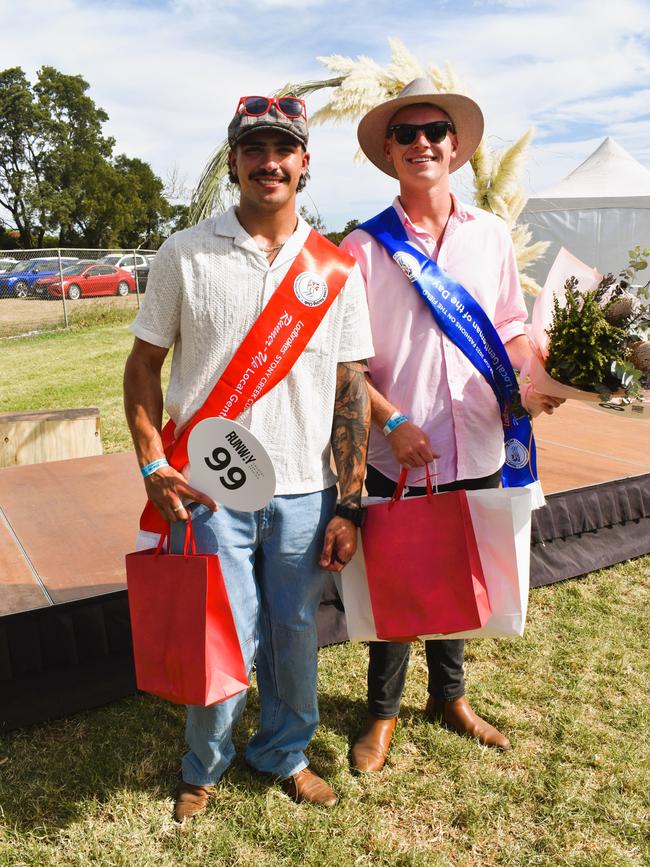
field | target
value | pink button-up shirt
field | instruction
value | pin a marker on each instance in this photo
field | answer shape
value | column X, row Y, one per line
column 417, row 368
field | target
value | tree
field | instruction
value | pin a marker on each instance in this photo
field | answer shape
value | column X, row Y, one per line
column 77, row 153
column 337, row 237
column 22, row 154
column 314, row 220
column 145, row 209
column 58, row 172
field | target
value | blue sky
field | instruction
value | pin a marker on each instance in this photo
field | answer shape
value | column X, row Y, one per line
column 169, row 73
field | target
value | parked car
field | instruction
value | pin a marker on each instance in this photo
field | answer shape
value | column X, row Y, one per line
column 33, row 289
column 16, row 282
column 6, row 264
column 143, row 275
column 126, row 260
column 84, row 280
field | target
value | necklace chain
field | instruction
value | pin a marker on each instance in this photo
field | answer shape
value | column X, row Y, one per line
column 271, row 249
column 279, row 246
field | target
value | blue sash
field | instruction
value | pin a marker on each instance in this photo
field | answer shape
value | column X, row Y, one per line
column 462, row 319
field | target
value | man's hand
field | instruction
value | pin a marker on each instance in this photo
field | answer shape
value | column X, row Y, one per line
column 339, row 545
column 165, row 488
column 536, row 403
column 411, row 446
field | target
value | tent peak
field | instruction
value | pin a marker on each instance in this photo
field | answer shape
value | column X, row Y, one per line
column 610, row 171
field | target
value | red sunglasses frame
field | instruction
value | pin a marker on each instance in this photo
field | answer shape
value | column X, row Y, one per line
column 270, row 102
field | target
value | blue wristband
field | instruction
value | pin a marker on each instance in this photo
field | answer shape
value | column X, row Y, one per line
column 394, row 421
column 153, row 466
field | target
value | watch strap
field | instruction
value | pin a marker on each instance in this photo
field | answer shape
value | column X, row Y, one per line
column 356, row 515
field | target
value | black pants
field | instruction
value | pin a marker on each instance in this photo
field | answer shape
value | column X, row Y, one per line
column 388, row 660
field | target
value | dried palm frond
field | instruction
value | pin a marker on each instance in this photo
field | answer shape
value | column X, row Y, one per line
column 526, row 254
column 508, row 166
column 214, row 192
column 358, row 86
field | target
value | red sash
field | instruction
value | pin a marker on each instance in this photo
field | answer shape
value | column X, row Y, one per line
column 269, row 350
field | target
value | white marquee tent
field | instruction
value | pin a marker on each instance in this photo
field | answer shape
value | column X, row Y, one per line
column 598, row 212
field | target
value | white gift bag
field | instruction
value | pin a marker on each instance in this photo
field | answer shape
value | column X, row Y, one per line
column 501, row 519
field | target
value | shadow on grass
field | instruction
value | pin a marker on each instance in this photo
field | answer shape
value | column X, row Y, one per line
column 52, row 772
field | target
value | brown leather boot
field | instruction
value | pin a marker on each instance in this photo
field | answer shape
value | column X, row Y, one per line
column 308, row 786
column 370, row 750
column 458, row 716
column 190, row 800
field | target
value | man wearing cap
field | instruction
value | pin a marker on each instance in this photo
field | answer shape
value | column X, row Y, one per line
column 429, row 402
column 208, row 286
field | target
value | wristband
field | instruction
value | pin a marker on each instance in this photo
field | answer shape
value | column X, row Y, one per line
column 394, row 421
column 153, row 466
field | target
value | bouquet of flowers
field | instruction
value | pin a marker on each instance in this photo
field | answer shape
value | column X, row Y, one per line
column 589, row 333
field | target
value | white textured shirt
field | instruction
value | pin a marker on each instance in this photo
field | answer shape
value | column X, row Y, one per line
column 206, row 288
column 416, row 367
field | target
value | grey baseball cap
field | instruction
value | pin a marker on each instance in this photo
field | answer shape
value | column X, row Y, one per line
column 242, row 124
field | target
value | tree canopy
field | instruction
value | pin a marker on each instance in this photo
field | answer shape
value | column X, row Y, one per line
column 58, row 172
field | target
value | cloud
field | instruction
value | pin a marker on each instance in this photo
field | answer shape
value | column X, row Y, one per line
column 169, row 73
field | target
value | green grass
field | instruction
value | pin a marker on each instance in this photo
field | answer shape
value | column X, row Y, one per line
column 572, row 695
column 80, row 367
column 97, row 789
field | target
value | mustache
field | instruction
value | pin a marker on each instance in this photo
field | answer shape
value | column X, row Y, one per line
column 261, row 173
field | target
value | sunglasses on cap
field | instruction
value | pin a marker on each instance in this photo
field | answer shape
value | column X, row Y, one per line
column 435, row 131
column 256, row 106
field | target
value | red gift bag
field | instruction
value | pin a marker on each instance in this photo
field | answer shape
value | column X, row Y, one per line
column 185, row 643
column 423, row 566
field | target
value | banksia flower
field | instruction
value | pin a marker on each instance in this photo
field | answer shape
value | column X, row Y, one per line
column 640, row 355
column 620, row 308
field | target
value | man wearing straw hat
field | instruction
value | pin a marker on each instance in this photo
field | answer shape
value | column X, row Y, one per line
column 429, row 400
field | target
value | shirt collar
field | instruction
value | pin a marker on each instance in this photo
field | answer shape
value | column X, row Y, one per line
column 228, row 225
column 460, row 214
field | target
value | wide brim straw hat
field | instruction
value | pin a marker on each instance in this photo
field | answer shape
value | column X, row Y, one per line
column 465, row 114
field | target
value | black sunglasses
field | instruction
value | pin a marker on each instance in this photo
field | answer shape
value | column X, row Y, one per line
column 435, row 131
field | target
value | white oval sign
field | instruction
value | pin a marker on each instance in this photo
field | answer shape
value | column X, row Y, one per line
column 230, row 464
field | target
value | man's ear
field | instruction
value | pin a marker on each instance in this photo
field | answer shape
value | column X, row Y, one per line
column 232, row 161
column 454, row 144
column 387, row 150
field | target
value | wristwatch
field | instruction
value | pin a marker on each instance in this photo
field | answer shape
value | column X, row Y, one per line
column 356, row 515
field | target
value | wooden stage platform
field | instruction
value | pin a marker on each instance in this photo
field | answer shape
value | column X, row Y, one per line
column 65, row 634
column 582, row 445
column 66, row 525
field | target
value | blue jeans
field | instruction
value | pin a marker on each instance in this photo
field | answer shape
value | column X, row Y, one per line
column 269, row 561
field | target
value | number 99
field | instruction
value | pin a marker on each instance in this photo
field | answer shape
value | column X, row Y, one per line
column 235, row 477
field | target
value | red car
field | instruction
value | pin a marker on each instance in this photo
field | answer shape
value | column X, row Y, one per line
column 85, row 279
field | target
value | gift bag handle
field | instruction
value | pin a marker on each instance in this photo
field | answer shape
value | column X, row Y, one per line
column 190, row 541
column 189, row 545
column 401, row 483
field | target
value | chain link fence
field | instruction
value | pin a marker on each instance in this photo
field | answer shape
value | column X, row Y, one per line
column 43, row 290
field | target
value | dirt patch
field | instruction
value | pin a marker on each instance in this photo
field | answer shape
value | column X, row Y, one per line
column 26, row 315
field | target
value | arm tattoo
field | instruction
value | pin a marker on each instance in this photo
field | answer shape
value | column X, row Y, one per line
column 350, row 430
